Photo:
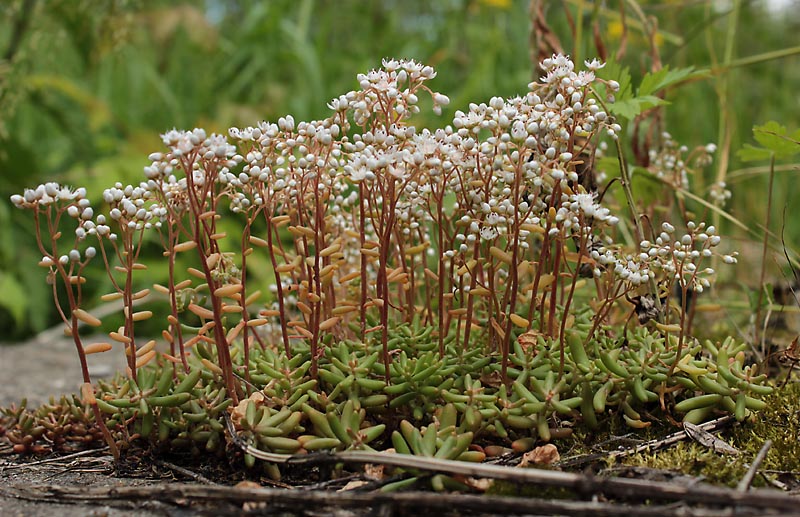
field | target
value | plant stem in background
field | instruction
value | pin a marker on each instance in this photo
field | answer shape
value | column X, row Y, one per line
column 759, row 335
column 577, row 47
column 625, row 181
column 73, row 291
column 283, row 317
column 723, row 84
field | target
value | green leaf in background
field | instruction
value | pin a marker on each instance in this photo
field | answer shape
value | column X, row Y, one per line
column 774, row 139
column 664, row 78
column 627, row 104
column 751, row 153
column 14, row 299
column 623, row 105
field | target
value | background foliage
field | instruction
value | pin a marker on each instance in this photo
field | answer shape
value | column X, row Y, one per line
column 86, row 87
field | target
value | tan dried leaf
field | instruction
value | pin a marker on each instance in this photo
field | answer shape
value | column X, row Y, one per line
column 352, row 485
column 706, row 439
column 480, row 484
column 492, row 379
column 528, row 340
column 239, row 411
column 545, row 455
column 375, row 472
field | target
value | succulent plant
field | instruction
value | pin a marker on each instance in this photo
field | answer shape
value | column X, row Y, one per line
column 459, row 398
column 434, row 277
column 443, row 438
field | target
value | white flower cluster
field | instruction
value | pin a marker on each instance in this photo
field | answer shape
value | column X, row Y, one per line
column 507, row 162
column 63, row 199
column 192, row 147
column 173, row 193
column 129, row 207
column 50, row 193
column 363, row 184
column 674, row 163
column 632, row 269
column 392, row 91
column 719, row 194
column 680, row 257
column 507, row 179
column 677, row 258
column 280, row 159
column 182, row 143
column 584, row 207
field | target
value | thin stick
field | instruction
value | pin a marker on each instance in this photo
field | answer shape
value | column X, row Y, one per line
column 630, row 488
column 405, row 502
column 184, row 471
column 625, row 181
column 79, row 454
column 744, row 484
column 650, row 445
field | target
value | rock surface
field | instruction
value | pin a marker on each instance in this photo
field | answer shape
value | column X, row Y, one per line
column 38, row 369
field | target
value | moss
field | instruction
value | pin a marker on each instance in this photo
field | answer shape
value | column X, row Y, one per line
column 779, row 422
column 695, row 460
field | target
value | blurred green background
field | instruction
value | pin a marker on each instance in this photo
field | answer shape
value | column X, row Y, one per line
column 86, row 86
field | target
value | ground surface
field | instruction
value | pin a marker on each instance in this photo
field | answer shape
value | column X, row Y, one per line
column 37, row 369
column 48, row 366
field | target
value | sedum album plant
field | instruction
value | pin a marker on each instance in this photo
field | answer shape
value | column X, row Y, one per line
column 472, row 270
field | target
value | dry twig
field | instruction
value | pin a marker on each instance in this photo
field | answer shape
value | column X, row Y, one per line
column 88, row 452
column 582, row 484
column 651, row 445
column 744, row 484
column 296, row 500
column 185, row 472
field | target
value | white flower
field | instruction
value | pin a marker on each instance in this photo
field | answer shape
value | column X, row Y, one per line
column 594, row 65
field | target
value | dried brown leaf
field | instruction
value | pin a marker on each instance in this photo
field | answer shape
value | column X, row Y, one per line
column 375, row 472
column 528, row 340
column 352, row 485
column 707, row 439
column 545, row 455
